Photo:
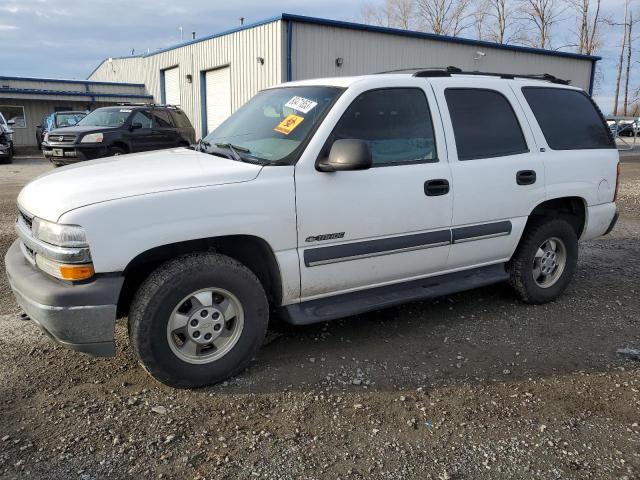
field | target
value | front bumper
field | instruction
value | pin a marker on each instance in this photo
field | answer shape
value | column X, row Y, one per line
column 73, row 153
column 80, row 316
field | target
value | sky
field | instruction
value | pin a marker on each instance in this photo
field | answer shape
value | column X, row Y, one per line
column 53, row 39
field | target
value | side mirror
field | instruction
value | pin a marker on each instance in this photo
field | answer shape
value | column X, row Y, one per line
column 346, row 155
column 136, row 126
column 11, row 122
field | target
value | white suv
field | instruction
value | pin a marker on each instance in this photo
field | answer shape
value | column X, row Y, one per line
column 317, row 199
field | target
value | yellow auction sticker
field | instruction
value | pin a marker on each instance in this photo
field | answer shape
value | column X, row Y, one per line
column 289, row 124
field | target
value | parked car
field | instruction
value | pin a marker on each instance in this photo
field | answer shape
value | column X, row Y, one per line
column 6, row 151
column 57, row 120
column 6, row 126
column 112, row 131
column 318, row 199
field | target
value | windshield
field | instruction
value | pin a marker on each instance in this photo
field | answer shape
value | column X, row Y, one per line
column 273, row 124
column 106, row 117
column 69, row 119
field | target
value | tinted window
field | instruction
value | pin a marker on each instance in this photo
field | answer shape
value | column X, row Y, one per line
column 143, row 117
column 568, row 119
column 484, row 124
column 395, row 123
column 180, row 119
column 162, row 119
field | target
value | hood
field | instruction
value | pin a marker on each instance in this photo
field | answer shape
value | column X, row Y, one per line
column 79, row 130
column 67, row 188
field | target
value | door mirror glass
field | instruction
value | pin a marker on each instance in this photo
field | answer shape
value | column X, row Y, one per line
column 347, row 154
column 136, row 126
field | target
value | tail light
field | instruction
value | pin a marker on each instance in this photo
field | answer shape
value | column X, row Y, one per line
column 615, row 195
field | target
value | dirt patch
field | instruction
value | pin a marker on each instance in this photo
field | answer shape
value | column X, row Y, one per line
column 475, row 385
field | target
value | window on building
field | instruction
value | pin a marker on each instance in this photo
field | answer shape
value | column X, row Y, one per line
column 484, row 124
column 568, row 118
column 395, row 123
column 162, row 119
column 14, row 113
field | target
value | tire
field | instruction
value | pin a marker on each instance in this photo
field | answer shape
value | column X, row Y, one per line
column 115, row 151
column 529, row 281
column 161, row 298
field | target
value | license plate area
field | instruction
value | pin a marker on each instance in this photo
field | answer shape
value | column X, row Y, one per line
column 58, row 152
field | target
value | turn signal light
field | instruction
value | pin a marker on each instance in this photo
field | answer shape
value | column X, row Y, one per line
column 76, row 272
column 63, row 271
column 615, row 195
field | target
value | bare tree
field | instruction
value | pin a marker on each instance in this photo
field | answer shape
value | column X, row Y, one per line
column 445, row 17
column 541, row 16
column 480, row 16
column 630, row 42
column 502, row 13
column 391, row 13
column 623, row 44
column 590, row 19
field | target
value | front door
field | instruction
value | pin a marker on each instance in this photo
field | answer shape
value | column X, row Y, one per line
column 142, row 139
column 496, row 166
column 359, row 229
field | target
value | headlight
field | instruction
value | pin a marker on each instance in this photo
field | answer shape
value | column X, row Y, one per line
column 46, row 137
column 60, row 235
column 71, row 272
column 92, row 138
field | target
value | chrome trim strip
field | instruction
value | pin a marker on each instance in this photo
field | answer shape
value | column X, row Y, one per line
column 52, row 252
column 376, row 254
column 482, row 237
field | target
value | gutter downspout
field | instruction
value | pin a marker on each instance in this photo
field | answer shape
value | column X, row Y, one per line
column 289, row 49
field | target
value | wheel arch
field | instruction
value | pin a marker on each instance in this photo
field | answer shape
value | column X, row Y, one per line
column 121, row 144
column 573, row 209
column 253, row 252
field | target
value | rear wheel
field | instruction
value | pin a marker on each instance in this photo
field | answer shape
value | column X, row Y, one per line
column 545, row 261
column 197, row 320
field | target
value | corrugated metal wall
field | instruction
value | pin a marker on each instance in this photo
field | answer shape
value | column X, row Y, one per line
column 69, row 86
column 34, row 110
column 239, row 50
column 316, row 47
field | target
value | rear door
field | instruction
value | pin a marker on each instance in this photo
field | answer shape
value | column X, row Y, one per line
column 165, row 133
column 498, row 173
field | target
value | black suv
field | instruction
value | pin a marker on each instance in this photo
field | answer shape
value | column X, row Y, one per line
column 118, row 130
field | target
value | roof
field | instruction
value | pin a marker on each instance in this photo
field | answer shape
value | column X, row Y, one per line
column 61, row 80
column 36, row 91
column 366, row 28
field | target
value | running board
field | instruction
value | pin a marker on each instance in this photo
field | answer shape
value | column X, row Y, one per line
column 348, row 304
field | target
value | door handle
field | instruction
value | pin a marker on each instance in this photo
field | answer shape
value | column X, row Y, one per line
column 526, row 177
column 435, row 188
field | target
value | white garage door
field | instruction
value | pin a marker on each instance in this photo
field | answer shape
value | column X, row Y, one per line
column 172, row 86
column 218, row 88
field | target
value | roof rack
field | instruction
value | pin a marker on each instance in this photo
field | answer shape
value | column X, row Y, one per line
column 146, row 104
column 448, row 71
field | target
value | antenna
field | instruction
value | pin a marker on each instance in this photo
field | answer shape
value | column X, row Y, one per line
column 181, row 33
column 241, row 21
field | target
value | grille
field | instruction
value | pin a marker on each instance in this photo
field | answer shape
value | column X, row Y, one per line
column 53, row 138
column 27, row 220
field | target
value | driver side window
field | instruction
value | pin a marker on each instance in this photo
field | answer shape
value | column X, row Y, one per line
column 143, row 117
column 394, row 122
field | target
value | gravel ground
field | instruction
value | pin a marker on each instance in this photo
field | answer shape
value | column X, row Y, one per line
column 471, row 386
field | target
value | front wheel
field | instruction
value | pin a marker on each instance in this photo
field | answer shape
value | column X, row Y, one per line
column 197, row 320
column 544, row 262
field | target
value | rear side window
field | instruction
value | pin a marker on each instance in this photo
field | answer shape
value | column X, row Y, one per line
column 394, row 122
column 568, row 118
column 180, row 119
column 484, row 124
column 162, row 119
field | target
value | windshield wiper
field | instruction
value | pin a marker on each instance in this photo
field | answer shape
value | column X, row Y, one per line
column 234, row 149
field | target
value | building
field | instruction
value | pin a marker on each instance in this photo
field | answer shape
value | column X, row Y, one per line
column 27, row 100
column 213, row 76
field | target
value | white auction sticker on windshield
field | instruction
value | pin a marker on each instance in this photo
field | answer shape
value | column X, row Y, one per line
column 123, row 110
column 301, row 104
